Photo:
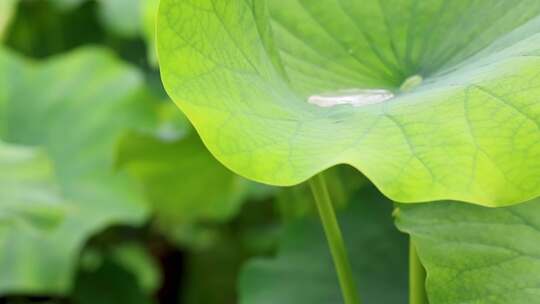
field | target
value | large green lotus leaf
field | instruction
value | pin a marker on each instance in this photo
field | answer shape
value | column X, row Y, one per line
column 74, row 107
column 474, row 254
column 303, row 271
column 7, row 10
column 244, row 71
column 29, row 192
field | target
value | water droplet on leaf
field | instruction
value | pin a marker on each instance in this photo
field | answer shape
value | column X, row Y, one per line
column 354, row 97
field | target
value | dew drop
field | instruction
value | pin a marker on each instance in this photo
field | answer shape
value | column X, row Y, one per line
column 354, row 97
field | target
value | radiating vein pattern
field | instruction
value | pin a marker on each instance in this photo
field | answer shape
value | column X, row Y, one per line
column 244, row 70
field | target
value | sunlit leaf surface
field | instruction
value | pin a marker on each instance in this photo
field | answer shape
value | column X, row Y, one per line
column 244, row 71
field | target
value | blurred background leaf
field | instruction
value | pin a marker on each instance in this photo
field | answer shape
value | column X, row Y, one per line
column 7, row 9
column 86, row 100
column 122, row 17
column 185, row 185
column 302, row 271
column 66, row 4
column 29, row 192
column 135, row 257
column 149, row 12
column 182, row 180
column 110, row 283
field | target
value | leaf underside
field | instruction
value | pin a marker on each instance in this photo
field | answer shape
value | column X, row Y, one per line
column 243, row 71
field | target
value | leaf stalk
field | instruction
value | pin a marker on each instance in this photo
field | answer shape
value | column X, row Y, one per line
column 335, row 239
column 417, row 277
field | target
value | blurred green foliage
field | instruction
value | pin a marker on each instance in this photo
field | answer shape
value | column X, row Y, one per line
column 303, row 270
column 7, row 9
column 29, row 189
column 60, row 94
